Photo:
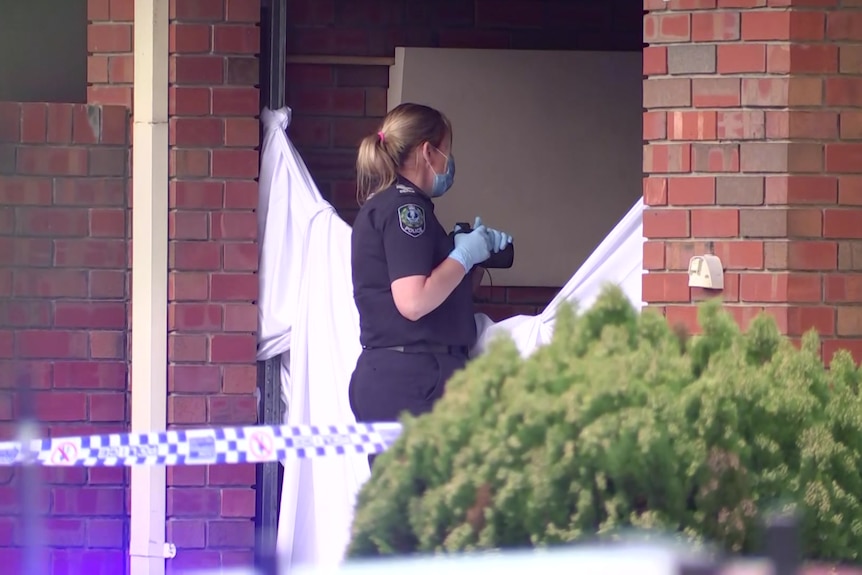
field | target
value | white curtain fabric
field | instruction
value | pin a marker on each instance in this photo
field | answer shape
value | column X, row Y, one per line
column 307, row 318
column 618, row 260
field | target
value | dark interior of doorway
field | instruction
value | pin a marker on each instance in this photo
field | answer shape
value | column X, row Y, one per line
column 622, row 32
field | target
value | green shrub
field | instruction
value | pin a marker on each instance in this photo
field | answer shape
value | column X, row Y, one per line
column 621, row 422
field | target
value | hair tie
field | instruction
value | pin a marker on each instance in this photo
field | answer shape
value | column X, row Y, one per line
column 381, row 136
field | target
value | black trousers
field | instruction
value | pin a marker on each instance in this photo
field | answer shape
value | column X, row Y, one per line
column 386, row 383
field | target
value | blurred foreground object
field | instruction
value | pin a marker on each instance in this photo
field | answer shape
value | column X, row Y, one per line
column 634, row 559
column 633, row 553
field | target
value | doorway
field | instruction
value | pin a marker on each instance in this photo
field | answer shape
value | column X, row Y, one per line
column 329, row 61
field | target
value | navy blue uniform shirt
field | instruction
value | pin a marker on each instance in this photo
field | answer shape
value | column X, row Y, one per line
column 396, row 235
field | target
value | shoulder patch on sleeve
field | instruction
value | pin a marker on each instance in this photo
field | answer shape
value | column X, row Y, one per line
column 411, row 218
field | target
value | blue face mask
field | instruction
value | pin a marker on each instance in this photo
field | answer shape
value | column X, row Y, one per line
column 444, row 181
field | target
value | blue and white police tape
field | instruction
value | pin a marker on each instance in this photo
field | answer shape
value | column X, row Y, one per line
column 225, row 445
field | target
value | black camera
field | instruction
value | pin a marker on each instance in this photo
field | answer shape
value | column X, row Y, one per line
column 498, row 261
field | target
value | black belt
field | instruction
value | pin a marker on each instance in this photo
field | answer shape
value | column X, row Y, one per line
column 461, row 350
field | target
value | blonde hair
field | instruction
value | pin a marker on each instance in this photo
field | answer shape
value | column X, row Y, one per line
column 405, row 128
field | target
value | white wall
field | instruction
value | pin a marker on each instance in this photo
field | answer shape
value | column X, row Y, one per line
column 548, row 146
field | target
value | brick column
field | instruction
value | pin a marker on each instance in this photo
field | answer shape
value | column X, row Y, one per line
column 110, row 64
column 214, row 134
column 751, row 112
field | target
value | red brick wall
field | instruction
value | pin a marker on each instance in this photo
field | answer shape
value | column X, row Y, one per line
column 753, row 125
column 213, row 260
column 214, row 133
column 79, row 306
column 335, row 106
column 502, row 302
column 110, row 63
column 63, row 317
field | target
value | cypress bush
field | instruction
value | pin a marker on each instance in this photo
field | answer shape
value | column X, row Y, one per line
column 623, row 422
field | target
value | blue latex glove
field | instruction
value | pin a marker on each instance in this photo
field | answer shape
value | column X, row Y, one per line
column 471, row 249
column 497, row 240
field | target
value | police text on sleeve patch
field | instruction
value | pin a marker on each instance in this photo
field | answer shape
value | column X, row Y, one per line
column 411, row 218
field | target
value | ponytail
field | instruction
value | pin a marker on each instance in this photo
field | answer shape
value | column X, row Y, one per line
column 376, row 169
column 381, row 154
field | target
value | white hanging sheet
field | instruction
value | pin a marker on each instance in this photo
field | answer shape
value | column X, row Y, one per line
column 617, row 260
column 308, row 318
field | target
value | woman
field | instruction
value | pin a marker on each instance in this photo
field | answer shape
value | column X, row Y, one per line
column 411, row 280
